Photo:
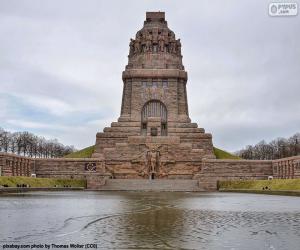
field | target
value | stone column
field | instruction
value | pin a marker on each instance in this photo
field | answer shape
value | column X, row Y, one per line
column 293, row 169
column 21, row 167
column 12, row 167
column 182, row 98
column 17, row 167
column 279, row 170
column 27, row 168
column 2, row 164
column 126, row 99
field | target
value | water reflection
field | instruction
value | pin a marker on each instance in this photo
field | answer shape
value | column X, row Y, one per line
column 133, row 220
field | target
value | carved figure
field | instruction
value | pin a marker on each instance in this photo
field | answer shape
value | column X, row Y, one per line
column 178, row 43
column 153, row 160
column 149, row 43
column 161, row 43
column 131, row 47
column 172, row 47
column 137, row 46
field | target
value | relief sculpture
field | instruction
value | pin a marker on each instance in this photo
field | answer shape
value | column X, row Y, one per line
column 153, row 161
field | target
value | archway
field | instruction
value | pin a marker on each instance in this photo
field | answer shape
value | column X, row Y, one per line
column 154, row 108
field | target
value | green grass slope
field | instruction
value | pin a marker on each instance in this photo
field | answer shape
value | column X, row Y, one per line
column 275, row 184
column 83, row 153
column 221, row 154
column 87, row 153
column 12, row 181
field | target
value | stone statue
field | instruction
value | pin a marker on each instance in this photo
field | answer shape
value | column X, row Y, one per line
column 131, row 47
column 172, row 46
column 137, row 45
column 178, row 45
column 153, row 160
column 149, row 43
column 161, row 43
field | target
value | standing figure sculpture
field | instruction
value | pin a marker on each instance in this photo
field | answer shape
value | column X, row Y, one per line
column 178, row 43
column 161, row 43
column 131, row 46
column 153, row 161
column 137, row 45
column 149, row 43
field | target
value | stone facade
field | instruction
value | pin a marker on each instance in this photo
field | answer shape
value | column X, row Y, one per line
column 154, row 112
column 154, row 137
column 215, row 170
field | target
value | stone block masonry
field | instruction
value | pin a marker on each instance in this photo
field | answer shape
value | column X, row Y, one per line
column 15, row 165
column 154, row 136
column 206, row 172
column 216, row 170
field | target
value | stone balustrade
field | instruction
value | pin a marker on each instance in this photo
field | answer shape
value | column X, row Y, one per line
column 15, row 165
column 286, row 168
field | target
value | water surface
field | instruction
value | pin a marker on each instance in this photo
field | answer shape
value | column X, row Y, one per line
column 146, row 220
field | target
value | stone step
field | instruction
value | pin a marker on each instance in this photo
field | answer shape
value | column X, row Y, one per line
column 150, row 185
column 172, row 124
column 185, row 130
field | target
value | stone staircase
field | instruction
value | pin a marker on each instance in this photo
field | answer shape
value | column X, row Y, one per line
column 150, row 185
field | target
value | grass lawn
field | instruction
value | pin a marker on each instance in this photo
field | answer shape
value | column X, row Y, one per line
column 83, row 153
column 221, row 154
column 12, row 181
column 275, row 184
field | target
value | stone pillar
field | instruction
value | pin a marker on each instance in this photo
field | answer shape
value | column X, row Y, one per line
column 126, row 99
column 27, row 168
column 293, row 170
column 21, row 167
column 15, row 162
column 182, row 99
column 12, row 167
column 2, row 164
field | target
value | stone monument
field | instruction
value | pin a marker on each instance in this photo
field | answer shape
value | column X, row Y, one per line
column 154, row 136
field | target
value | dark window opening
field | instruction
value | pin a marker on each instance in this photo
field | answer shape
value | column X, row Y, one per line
column 153, row 131
column 164, row 130
column 144, row 128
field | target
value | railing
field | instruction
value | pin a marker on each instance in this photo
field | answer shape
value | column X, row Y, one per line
column 14, row 165
column 286, row 168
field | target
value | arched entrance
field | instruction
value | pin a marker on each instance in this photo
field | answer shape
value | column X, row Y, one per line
column 157, row 109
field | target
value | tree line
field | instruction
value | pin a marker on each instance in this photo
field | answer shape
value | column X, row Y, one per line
column 276, row 149
column 28, row 144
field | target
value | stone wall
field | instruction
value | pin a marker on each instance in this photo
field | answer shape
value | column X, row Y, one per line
column 64, row 168
column 90, row 169
column 215, row 170
column 96, row 171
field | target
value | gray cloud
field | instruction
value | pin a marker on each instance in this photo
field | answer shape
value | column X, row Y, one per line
column 61, row 65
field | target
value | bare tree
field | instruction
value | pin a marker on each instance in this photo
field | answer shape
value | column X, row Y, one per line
column 28, row 144
column 278, row 148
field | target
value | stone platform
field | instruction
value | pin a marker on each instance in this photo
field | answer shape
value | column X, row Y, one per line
column 151, row 185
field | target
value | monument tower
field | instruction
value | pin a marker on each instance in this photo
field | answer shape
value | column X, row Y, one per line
column 154, row 136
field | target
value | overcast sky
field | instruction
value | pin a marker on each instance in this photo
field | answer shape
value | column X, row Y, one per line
column 61, row 64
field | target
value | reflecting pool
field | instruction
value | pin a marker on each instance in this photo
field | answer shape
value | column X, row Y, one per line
column 146, row 220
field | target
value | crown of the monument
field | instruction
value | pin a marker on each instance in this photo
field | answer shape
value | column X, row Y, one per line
column 155, row 45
